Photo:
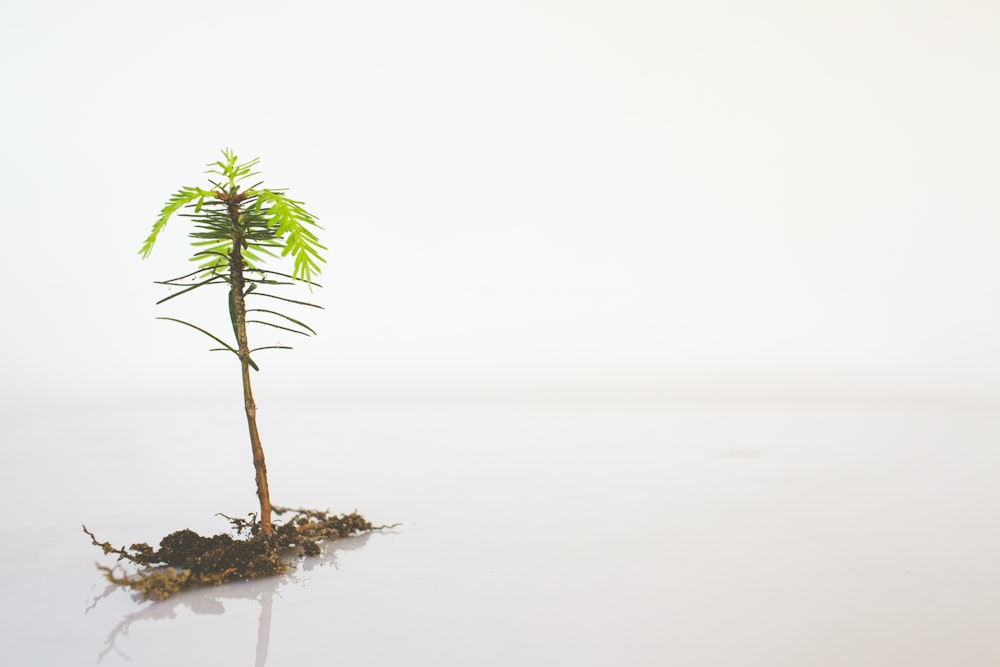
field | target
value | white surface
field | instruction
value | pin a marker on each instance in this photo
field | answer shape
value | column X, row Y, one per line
column 704, row 532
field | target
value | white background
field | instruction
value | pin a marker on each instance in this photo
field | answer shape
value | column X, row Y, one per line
column 668, row 331
column 530, row 193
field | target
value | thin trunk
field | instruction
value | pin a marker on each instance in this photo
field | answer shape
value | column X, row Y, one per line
column 240, row 319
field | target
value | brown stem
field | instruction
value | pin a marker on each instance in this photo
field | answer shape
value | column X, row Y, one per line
column 236, row 291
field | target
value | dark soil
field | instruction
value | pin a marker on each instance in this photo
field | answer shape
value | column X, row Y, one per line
column 187, row 560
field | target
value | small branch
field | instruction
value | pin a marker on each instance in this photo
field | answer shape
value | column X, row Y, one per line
column 277, row 326
column 290, row 319
column 281, row 298
column 173, row 281
column 285, row 275
column 268, row 347
column 213, row 279
column 212, row 336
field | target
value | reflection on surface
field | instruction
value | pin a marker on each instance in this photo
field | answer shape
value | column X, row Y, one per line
column 588, row 535
column 264, row 628
column 211, row 601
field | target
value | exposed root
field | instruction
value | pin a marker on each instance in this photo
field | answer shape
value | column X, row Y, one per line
column 186, row 559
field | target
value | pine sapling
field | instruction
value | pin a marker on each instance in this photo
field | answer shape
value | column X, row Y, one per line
column 234, row 229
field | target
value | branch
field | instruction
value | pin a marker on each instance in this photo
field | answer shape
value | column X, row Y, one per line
column 281, row 298
column 290, row 319
column 212, row 336
column 213, row 279
column 277, row 326
column 184, row 196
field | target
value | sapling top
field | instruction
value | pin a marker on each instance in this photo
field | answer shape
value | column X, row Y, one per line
column 235, row 228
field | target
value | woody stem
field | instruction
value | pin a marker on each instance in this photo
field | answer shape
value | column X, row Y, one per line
column 239, row 312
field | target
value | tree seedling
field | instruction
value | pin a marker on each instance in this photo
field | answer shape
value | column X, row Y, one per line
column 235, row 229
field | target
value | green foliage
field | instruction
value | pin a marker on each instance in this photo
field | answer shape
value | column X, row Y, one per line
column 291, row 219
column 250, row 224
column 184, row 196
column 268, row 221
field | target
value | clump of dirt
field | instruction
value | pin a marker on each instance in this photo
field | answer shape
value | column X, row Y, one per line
column 187, row 560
